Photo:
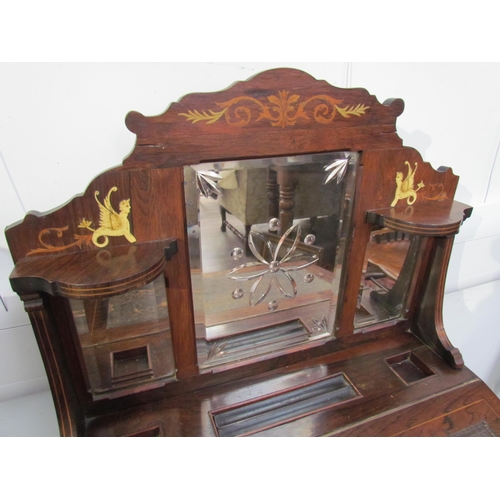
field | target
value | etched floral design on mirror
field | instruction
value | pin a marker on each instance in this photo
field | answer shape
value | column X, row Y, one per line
column 266, row 252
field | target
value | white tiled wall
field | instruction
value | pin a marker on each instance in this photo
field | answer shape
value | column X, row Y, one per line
column 63, row 124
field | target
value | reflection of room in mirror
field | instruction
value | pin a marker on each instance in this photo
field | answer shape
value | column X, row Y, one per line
column 387, row 272
column 108, row 326
column 266, row 241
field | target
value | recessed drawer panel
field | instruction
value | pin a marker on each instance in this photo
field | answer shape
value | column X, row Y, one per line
column 256, row 415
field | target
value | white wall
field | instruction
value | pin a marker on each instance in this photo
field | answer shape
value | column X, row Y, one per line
column 63, row 124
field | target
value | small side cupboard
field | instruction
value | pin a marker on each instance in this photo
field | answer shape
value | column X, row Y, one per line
column 269, row 260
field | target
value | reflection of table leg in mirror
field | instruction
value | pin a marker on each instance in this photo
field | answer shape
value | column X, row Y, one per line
column 223, row 216
column 272, row 194
column 286, row 181
column 225, row 224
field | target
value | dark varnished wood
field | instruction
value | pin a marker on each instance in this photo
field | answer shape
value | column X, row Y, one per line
column 443, row 415
column 280, row 112
column 96, row 273
column 59, row 229
column 69, row 413
column 170, row 139
column 436, row 219
column 428, row 319
column 383, row 396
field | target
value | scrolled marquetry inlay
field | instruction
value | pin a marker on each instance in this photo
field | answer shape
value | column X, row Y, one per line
column 281, row 110
column 111, row 223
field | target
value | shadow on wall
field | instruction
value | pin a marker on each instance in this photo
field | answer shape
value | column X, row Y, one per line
column 472, row 322
column 418, row 140
column 422, row 142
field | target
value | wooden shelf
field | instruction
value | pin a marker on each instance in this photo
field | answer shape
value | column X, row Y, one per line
column 427, row 219
column 95, row 273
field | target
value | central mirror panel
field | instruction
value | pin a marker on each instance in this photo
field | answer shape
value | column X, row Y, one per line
column 266, row 242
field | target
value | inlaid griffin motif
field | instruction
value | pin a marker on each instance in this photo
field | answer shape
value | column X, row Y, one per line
column 405, row 188
column 112, row 223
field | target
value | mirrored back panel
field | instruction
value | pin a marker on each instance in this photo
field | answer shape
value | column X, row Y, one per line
column 266, row 243
column 388, row 272
column 125, row 339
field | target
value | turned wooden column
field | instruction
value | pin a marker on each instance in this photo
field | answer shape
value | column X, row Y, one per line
column 287, row 181
column 272, row 193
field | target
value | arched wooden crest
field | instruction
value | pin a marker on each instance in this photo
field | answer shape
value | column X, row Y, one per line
column 277, row 112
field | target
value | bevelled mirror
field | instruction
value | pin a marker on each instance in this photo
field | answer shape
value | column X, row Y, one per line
column 266, row 242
